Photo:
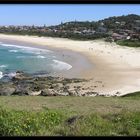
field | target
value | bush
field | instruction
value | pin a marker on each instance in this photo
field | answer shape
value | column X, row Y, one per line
column 122, row 124
column 51, row 122
column 23, row 123
column 129, row 43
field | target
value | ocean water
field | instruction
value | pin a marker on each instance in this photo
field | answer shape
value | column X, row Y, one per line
column 31, row 60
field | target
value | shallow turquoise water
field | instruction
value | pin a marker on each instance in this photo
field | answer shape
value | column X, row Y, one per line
column 31, row 60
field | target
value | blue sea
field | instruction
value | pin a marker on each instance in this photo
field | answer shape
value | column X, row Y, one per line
column 30, row 60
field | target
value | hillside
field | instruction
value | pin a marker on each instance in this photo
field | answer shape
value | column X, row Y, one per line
column 126, row 27
column 128, row 22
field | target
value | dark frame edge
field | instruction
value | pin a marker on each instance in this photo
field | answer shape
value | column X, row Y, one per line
column 69, row 1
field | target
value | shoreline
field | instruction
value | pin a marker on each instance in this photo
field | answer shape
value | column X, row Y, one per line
column 71, row 57
column 115, row 66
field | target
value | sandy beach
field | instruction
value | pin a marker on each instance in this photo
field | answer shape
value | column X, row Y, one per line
column 110, row 68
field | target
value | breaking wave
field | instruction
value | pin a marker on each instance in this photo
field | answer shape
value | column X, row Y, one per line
column 1, row 74
column 10, row 75
column 3, row 66
column 28, row 48
column 61, row 65
column 13, row 51
column 40, row 56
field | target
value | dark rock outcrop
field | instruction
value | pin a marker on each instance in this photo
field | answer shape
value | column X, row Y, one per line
column 24, row 84
column 6, row 91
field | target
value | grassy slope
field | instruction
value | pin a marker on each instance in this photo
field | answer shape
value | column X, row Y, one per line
column 27, row 115
column 128, row 43
column 75, row 104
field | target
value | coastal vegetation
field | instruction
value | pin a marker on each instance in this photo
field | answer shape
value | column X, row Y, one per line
column 125, row 30
column 135, row 95
column 64, row 116
column 129, row 43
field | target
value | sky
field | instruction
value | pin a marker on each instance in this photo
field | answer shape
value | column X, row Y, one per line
column 53, row 14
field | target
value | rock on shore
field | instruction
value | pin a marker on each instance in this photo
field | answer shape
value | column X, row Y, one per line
column 24, row 84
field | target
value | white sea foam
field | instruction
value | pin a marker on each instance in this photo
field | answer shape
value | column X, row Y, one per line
column 8, row 45
column 61, row 65
column 3, row 66
column 10, row 75
column 27, row 48
column 1, row 74
column 38, row 53
column 40, row 56
column 13, row 51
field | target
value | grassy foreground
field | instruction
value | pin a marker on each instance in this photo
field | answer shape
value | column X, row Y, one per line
column 69, row 116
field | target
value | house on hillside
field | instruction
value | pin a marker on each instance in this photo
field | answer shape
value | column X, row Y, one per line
column 89, row 31
column 101, row 29
column 55, row 30
column 77, row 32
column 137, row 22
column 137, row 29
column 135, row 36
column 117, row 22
column 102, row 24
column 129, row 31
column 43, row 30
column 123, row 23
column 116, row 36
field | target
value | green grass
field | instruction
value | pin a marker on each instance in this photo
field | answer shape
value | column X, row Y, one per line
column 122, row 124
column 50, row 116
column 129, row 43
column 135, row 95
column 80, row 105
column 55, row 123
column 23, row 123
